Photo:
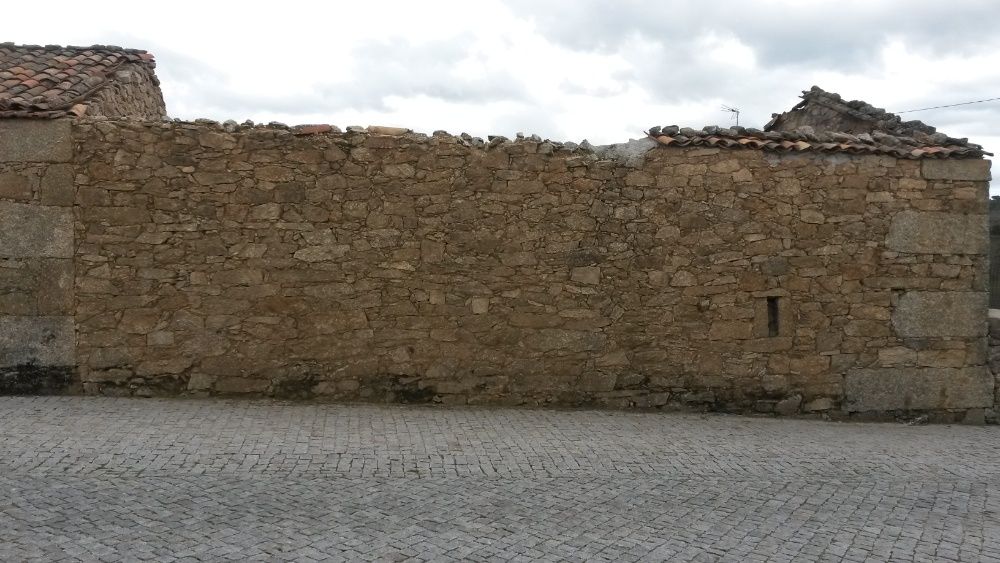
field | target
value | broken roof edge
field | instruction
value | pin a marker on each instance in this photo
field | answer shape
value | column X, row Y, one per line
column 76, row 110
column 805, row 139
column 878, row 119
column 52, row 81
column 797, row 141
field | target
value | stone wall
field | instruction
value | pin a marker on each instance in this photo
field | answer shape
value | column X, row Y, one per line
column 134, row 93
column 994, row 357
column 37, row 342
column 190, row 258
column 820, row 117
column 994, row 258
column 400, row 267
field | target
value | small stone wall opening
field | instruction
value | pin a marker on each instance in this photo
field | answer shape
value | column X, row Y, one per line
column 773, row 322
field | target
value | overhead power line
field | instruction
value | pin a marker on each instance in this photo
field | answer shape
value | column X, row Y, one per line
column 950, row 105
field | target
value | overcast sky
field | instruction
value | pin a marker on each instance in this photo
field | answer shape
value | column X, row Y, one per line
column 567, row 70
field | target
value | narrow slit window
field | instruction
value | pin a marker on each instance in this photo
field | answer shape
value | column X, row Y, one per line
column 772, row 316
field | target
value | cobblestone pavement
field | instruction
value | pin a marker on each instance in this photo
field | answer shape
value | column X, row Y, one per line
column 171, row 480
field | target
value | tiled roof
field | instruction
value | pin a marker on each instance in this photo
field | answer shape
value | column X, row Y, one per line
column 826, row 112
column 54, row 81
column 805, row 139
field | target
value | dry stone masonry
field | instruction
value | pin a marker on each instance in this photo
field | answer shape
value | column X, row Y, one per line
column 37, row 334
column 835, row 263
column 165, row 258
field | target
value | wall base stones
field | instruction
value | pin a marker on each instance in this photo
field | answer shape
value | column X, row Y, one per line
column 918, row 388
column 29, row 379
column 993, row 415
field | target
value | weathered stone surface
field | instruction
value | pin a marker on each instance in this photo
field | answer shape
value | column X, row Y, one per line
column 33, row 231
column 956, row 169
column 14, row 185
column 32, row 379
column 36, row 286
column 816, row 405
column 920, row 314
column 35, row 140
column 41, row 341
column 57, row 185
column 590, row 275
column 322, row 253
column 938, row 233
column 882, row 389
column 405, row 267
column 788, row 405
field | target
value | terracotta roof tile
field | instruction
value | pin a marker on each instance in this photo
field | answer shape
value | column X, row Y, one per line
column 862, row 115
column 54, row 81
column 805, row 139
column 875, row 118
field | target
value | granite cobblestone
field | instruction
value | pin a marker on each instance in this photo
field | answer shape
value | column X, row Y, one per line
column 118, row 479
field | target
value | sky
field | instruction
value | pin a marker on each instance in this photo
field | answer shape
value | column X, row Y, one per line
column 568, row 70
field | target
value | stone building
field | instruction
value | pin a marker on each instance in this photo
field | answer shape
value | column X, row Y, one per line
column 53, row 81
column 790, row 271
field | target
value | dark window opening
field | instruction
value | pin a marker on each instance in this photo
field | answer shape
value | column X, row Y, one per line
column 772, row 316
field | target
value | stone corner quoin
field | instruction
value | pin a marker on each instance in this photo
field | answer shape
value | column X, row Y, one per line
column 384, row 265
column 37, row 326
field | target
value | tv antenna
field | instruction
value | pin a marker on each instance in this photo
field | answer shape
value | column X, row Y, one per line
column 734, row 111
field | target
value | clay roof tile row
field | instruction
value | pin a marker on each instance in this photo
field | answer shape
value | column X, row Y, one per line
column 804, row 139
column 54, row 81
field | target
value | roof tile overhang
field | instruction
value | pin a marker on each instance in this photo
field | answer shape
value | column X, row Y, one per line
column 805, row 139
column 53, row 81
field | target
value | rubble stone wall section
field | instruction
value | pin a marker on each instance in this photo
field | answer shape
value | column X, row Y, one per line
column 37, row 334
column 401, row 267
column 134, row 93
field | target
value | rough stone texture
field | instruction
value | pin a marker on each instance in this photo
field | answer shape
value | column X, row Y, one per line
column 57, row 185
column 15, row 186
column 132, row 93
column 879, row 389
column 33, row 379
column 37, row 307
column 42, row 286
column 993, row 415
column 403, row 267
column 938, row 233
column 920, row 314
column 37, row 341
column 34, row 231
column 976, row 170
column 822, row 112
column 821, row 118
column 32, row 140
